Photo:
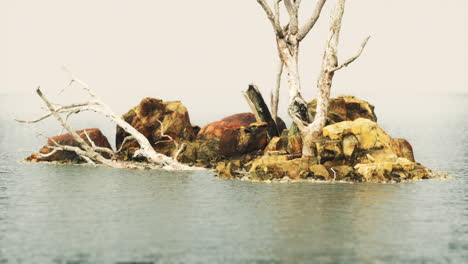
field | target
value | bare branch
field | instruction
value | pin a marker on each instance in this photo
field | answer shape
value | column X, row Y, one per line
column 164, row 135
column 34, row 120
column 293, row 16
column 83, row 154
column 180, row 150
column 275, row 93
column 272, row 18
column 61, row 109
column 127, row 138
column 352, row 59
column 99, row 149
column 48, row 154
column 298, row 4
column 277, row 12
column 305, row 29
column 87, row 150
column 93, row 145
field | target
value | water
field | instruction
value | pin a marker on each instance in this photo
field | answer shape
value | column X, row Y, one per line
column 76, row 214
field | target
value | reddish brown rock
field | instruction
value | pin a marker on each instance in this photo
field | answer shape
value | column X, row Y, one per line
column 66, row 139
column 233, row 122
column 147, row 118
column 237, row 134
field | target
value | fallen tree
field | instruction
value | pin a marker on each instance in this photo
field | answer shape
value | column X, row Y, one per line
column 87, row 150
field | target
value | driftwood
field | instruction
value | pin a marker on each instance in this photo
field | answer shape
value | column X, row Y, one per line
column 260, row 110
column 90, row 152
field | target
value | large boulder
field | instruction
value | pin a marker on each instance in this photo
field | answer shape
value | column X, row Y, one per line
column 149, row 118
column 95, row 135
column 237, row 134
column 373, row 154
column 345, row 108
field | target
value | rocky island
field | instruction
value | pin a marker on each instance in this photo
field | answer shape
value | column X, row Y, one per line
column 352, row 147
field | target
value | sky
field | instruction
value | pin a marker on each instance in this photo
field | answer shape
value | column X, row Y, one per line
column 204, row 53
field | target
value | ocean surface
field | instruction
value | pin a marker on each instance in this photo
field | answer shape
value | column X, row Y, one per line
column 76, row 214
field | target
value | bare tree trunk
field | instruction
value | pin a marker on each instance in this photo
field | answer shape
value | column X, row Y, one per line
column 275, row 93
column 297, row 106
column 324, row 83
column 260, row 110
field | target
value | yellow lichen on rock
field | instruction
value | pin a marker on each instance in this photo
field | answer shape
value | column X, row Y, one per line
column 383, row 171
column 368, row 133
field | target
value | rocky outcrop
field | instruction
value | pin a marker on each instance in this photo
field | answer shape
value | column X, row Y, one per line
column 153, row 118
column 358, row 150
column 66, row 139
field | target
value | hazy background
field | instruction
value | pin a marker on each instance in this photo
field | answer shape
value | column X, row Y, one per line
column 205, row 52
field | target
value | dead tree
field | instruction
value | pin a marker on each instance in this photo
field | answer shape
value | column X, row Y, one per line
column 90, row 152
column 288, row 38
column 329, row 67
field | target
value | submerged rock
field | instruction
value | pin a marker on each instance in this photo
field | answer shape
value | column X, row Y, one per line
column 147, row 118
column 66, row 139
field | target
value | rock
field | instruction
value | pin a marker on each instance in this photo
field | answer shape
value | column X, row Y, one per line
column 146, row 118
column 402, row 148
column 401, row 168
column 342, row 172
column 320, row 172
column 349, row 143
column 294, row 145
column 66, row 139
column 217, row 129
column 287, row 144
column 202, row 153
column 226, row 170
column 237, row 134
column 345, row 108
column 368, row 133
column 276, row 144
column 420, row 172
column 361, row 150
column 279, row 166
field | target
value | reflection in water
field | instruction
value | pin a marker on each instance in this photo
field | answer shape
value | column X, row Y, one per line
column 78, row 214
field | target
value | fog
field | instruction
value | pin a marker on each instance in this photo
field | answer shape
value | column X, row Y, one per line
column 204, row 53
